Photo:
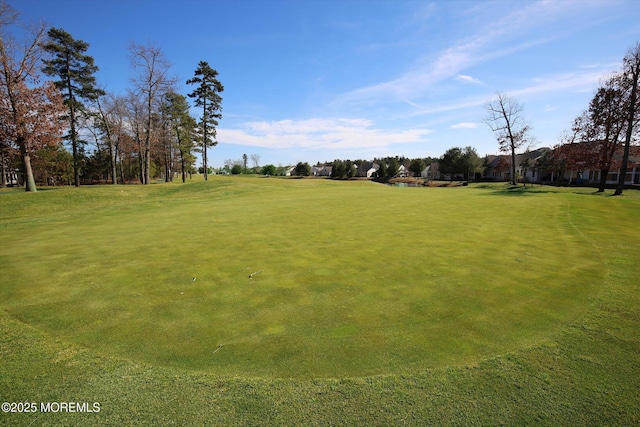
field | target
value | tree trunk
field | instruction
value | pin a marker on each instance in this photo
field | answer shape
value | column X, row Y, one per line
column 141, row 167
column 141, row 160
column 184, row 172
column 74, row 137
column 167, row 168
column 604, row 173
column 635, row 74
column 147, row 163
column 513, row 165
column 121, row 161
column 204, row 139
column 112, row 156
column 30, row 183
column 76, row 166
column 3, row 170
column 623, row 169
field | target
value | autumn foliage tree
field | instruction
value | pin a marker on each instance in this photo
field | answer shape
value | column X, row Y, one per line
column 596, row 133
column 630, row 76
column 30, row 112
column 607, row 127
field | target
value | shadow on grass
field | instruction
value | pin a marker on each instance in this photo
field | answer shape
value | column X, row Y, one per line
column 516, row 190
column 21, row 189
column 529, row 190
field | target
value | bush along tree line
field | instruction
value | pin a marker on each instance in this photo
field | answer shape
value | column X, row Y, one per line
column 147, row 133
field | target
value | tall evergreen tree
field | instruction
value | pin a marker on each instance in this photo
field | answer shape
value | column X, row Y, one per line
column 77, row 82
column 470, row 162
column 207, row 96
column 450, row 163
column 393, row 168
column 416, row 167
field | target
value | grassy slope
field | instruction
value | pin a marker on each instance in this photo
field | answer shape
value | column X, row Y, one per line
column 582, row 374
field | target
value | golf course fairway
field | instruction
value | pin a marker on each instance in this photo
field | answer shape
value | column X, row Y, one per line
column 301, row 279
column 254, row 293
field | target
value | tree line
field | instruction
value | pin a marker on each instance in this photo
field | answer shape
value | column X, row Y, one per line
column 600, row 137
column 608, row 125
column 146, row 133
column 149, row 132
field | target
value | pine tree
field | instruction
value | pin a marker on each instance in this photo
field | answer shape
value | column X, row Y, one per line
column 207, row 96
column 77, row 82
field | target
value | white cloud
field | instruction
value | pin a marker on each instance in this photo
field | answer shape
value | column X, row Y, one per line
column 324, row 133
column 575, row 81
column 465, row 125
column 498, row 38
column 466, row 78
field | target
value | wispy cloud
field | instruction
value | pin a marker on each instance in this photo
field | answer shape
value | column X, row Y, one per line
column 465, row 125
column 468, row 79
column 580, row 81
column 576, row 82
column 499, row 37
column 319, row 134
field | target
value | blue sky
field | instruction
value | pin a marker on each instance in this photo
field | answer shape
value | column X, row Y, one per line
column 319, row 80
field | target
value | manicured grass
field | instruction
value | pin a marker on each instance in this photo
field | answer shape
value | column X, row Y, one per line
column 372, row 304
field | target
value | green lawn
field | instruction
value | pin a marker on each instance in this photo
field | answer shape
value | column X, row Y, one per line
column 369, row 304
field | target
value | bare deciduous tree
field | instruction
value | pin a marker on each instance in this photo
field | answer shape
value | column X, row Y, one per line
column 109, row 120
column 151, row 81
column 505, row 118
column 255, row 158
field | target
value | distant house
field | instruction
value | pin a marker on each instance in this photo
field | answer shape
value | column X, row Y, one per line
column 592, row 176
column 528, row 165
column 431, row 172
column 11, row 178
column 326, row 171
column 321, row 170
column 368, row 170
column 403, row 171
column 497, row 168
column 537, row 166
